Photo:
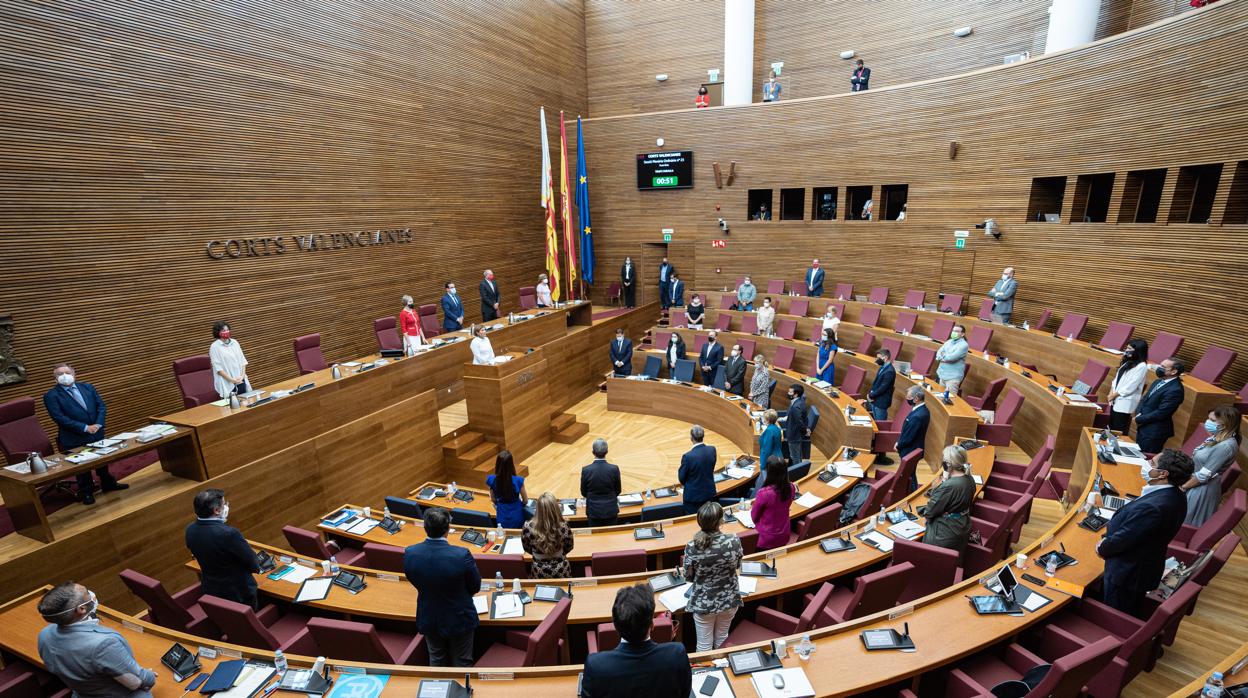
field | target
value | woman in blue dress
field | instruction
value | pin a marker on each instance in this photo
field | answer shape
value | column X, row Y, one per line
column 507, row 492
column 826, row 369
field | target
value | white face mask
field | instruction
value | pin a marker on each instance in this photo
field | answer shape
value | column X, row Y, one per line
column 65, row 379
column 1005, row 277
column 735, row 353
column 225, row 512
column 1145, row 471
column 452, row 291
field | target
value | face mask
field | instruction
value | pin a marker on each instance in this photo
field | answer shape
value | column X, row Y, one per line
column 1145, row 471
column 1160, row 371
column 1211, row 426
column 225, row 511
column 955, row 335
column 766, row 304
column 1128, row 354
column 65, row 379
column 411, row 305
column 452, row 291
column 1005, row 277
column 735, row 353
column 910, row 401
column 879, row 361
column 225, row 334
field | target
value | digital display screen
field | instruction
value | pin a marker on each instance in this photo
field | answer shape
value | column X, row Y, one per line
column 667, row 170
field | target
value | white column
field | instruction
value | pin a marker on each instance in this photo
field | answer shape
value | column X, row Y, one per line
column 738, row 51
column 1071, row 23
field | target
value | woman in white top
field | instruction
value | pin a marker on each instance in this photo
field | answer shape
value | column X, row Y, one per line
column 482, row 350
column 766, row 317
column 543, row 292
column 229, row 366
column 831, row 321
column 1127, row 388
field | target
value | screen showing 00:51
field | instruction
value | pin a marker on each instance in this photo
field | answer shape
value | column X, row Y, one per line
column 666, row 170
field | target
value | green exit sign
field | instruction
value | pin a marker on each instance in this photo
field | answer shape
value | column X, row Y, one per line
column 959, row 243
column 667, row 181
column 667, row 237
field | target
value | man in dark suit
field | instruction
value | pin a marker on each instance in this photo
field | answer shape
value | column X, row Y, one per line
column 489, row 297
column 734, row 371
column 880, row 396
column 709, row 359
column 600, row 486
column 914, row 429
column 628, row 283
column 697, row 471
column 860, row 79
column 452, row 309
column 795, row 426
column 1154, row 418
column 622, row 354
column 676, row 291
column 226, row 560
column 814, row 279
column 639, row 666
column 446, row 578
column 666, row 273
column 79, row 415
column 1135, row 542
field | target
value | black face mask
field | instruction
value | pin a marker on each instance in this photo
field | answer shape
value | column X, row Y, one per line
column 879, row 361
column 1160, row 371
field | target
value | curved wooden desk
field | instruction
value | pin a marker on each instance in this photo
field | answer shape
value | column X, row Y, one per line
column 722, row 413
column 1234, row 670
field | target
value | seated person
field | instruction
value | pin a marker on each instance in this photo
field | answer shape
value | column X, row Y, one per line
column 639, row 666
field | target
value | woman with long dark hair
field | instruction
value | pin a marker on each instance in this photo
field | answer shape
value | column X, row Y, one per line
column 1127, row 388
column 507, row 492
column 827, row 352
column 771, row 505
column 711, row 562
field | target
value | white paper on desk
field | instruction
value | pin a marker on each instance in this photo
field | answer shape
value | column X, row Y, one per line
column 502, row 359
column 20, row 468
column 127, row 435
column 743, row 517
column 747, row 585
column 351, row 364
column 513, row 546
column 1105, row 513
column 481, row 603
column 737, row 473
column 916, row 377
column 809, row 499
column 1075, row 397
column 630, row 499
column 508, row 606
column 1111, row 351
column 723, row 689
column 1128, row 460
column 838, row 481
column 906, row 529
column 157, row 428
column 363, row 526
column 567, row 510
column 83, row 457
column 848, row 468
column 1035, row 601
column 249, row 681
column 796, row 685
column 880, row 540
column 674, row 599
column 105, row 450
column 299, row 573
column 859, row 419
column 104, row 443
column 978, row 480
column 314, row 590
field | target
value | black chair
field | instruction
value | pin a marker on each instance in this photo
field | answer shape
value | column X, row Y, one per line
column 771, row 391
column 468, row 517
column 799, row 471
column 653, row 365
column 659, row 512
column 401, row 506
column 719, row 382
column 812, row 419
column 684, row 370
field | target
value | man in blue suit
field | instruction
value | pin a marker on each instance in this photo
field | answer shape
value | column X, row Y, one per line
column 639, row 666
column 452, row 309
column 226, row 560
column 1154, row 418
column 676, row 292
column 796, row 429
column 622, row 354
column 666, row 273
column 1002, row 295
column 79, row 413
column 1135, row 542
column 697, row 472
column 914, row 429
column 446, row 578
column 814, row 279
column 880, row 396
column 710, row 358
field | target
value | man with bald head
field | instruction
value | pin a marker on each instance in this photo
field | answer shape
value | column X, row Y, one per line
column 489, row 297
column 93, row 661
column 1002, row 295
column 79, row 412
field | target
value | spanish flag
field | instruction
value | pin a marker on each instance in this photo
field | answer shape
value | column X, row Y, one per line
column 548, row 204
column 569, row 239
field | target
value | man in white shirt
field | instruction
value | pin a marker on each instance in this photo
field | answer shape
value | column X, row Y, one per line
column 482, row 350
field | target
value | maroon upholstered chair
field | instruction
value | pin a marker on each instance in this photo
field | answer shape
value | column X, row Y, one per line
column 880, row 489
column 748, row 346
column 363, row 642
column 869, row 317
column 723, row 321
column 511, row 566
column 19, row 680
column 379, row 556
column 915, row 298
column 923, row 360
column 979, row 338
column 242, row 626
column 699, row 341
column 997, row 530
column 941, row 329
column 1044, row 319
column 727, row 300
column 985, row 310
column 1203, row 574
column 784, row 357
column 938, row 568
column 538, row 647
column 749, row 541
column 615, row 292
column 1116, row 336
column 799, row 287
column 905, row 323
column 428, row 317
column 528, row 297
column 749, row 324
column 180, row 611
column 851, row 383
column 816, row 332
column 1017, row 477
column 387, row 333
column 775, row 287
column 786, row 327
column 1000, row 499
column 605, row 637
column 20, row 432
column 1163, row 347
column 902, row 477
column 988, row 399
column 1002, row 429
column 1191, row 540
column 1092, row 375
column 1213, row 364
column 799, row 307
column 879, row 294
column 1066, row 676
column 886, row 435
column 194, row 377
column 817, row 523
column 616, row 562
column 1241, row 400
column 1072, row 325
column 769, row 624
column 308, row 354
column 872, row 593
column 661, row 340
column 844, row 292
column 951, row 303
column 310, row 544
column 893, row 345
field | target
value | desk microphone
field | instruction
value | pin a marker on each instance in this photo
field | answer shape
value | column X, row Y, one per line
column 905, row 630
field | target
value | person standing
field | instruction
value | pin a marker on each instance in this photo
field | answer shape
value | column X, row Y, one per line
column 825, row 363
column 860, row 79
column 711, row 562
column 482, row 350
column 769, row 442
column 628, row 283
column 1211, row 459
column 542, row 292
column 760, row 382
column 948, row 511
column 507, row 491
column 79, row 412
column 600, row 486
column 639, row 666
column 1002, row 295
column 226, row 561
column 409, row 326
column 814, row 279
column 697, row 471
column 1127, row 388
column 675, row 352
column 1136, row 539
column 694, row 313
column 446, row 578
column 771, row 89
column 547, row 538
column 489, row 297
column 621, row 354
column 1154, row 420
column 914, row 428
column 734, row 371
column 93, row 661
column 766, row 318
column 770, row 511
column 709, row 359
column 703, row 100
column 795, row 427
column 452, row 309
column 952, row 360
column 880, row 396
column 746, row 293
column 677, row 297
column 666, row 273
column 229, row 366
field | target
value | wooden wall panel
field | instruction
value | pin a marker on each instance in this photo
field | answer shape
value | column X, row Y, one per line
column 1148, row 11
column 1096, row 109
column 137, row 131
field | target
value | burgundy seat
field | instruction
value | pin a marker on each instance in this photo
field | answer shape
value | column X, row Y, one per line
column 428, row 316
column 784, row 357
column 363, row 642
column 938, row 568
column 528, row 297
column 20, row 431
column 511, row 566
column 864, row 344
column 661, row 340
column 1163, row 347
column 879, row 294
column 915, row 298
column 616, row 562
column 747, row 348
column 1230, row 476
column 1044, row 319
column 726, row 301
column 605, row 637
column 893, row 345
column 951, row 303
column 851, row 384
column 379, row 556
column 905, row 323
column 180, row 611
column 985, row 309
column 769, row 624
column 786, row 327
column 988, row 399
column 941, row 329
column 997, row 530
column 266, row 631
column 1202, row 575
column 310, row 544
column 1092, row 375
column 798, row 287
column 19, row 680
column 749, row 324
column 979, row 338
column 872, row 593
column 799, row 307
column 1072, row 325
column 1241, row 399
column 844, row 292
column 899, row 487
column 1000, row 498
column 1191, row 540
column 308, row 354
column 1001, row 430
column 194, row 377
column 722, row 322
column 869, row 317
column 880, row 489
column 817, row 523
column 387, row 333
column 1019, row 471
column 699, row 341
column 1066, row 677
column 1018, row 478
column 1213, row 364
column 923, row 360
column 538, row 647
column 889, row 430
column 838, row 309
column 775, row 287
column 615, row 292
column 1116, row 336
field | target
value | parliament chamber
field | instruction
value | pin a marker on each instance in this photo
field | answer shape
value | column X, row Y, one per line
column 347, row 192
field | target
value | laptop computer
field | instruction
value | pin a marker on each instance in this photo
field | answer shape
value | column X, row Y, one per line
column 1052, row 218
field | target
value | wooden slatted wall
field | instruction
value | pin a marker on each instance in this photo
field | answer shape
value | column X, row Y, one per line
column 135, row 132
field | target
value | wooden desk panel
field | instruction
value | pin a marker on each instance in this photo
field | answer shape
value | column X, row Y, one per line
column 509, row 403
column 687, row 403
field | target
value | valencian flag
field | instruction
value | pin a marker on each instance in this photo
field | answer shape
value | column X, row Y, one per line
column 582, row 208
column 565, row 194
column 548, row 203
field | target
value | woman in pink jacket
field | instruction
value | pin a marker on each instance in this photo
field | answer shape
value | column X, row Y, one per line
column 771, row 506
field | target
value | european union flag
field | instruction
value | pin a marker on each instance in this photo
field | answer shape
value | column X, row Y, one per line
column 582, row 208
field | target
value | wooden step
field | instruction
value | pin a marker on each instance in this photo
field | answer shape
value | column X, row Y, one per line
column 458, row 445
column 470, row 459
column 569, row 434
column 561, row 421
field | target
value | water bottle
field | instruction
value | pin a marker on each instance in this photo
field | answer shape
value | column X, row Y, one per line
column 1213, row 687
column 279, row 663
column 386, row 512
column 1050, row 566
column 499, row 532
column 319, row 666
column 649, row 493
column 454, row 488
column 515, row 585
column 882, row 518
column 234, row 403
column 498, row 580
column 1026, row 325
column 1070, row 338
column 333, row 565
column 805, row 648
